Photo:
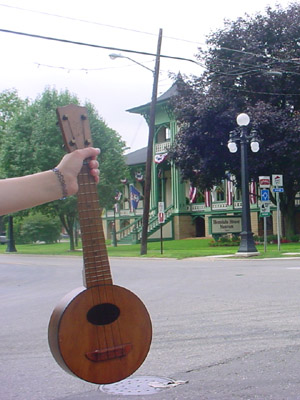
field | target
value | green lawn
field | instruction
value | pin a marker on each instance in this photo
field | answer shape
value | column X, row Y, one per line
column 173, row 249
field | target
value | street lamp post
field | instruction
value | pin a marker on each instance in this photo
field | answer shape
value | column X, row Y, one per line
column 247, row 245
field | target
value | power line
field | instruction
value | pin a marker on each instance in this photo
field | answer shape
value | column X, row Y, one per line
column 74, row 19
column 151, row 34
column 98, row 46
column 236, row 89
column 125, row 51
column 87, row 70
column 99, row 23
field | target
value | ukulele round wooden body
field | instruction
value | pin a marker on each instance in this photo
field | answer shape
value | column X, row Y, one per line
column 101, row 334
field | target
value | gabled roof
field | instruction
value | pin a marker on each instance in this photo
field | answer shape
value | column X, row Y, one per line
column 171, row 92
column 136, row 157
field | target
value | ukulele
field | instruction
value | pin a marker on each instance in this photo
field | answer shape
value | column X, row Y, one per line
column 100, row 332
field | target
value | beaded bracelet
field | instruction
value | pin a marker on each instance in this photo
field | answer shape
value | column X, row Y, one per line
column 62, row 182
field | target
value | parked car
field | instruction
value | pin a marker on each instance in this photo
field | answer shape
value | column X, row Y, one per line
column 3, row 239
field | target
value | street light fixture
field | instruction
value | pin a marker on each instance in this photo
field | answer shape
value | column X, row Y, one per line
column 247, row 245
column 113, row 56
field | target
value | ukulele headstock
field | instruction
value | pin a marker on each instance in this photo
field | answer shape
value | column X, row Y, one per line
column 75, row 127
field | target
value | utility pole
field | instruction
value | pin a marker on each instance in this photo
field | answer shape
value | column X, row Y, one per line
column 147, row 189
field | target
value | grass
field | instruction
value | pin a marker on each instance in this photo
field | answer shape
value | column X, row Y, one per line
column 171, row 249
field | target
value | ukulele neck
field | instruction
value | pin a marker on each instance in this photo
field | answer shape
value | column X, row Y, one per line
column 96, row 263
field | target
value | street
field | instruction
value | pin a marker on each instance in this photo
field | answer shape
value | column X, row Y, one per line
column 229, row 329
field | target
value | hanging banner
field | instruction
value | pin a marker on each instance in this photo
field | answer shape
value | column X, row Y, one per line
column 159, row 158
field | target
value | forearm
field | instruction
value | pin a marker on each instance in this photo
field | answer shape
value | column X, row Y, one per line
column 28, row 191
column 32, row 190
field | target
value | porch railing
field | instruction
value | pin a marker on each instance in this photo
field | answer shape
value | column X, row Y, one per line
column 154, row 222
column 162, row 147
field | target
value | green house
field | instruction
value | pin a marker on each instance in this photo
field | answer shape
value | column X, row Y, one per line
column 188, row 213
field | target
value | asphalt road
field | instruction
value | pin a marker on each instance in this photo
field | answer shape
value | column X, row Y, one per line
column 231, row 328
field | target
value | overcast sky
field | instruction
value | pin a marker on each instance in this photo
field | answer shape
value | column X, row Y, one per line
column 30, row 64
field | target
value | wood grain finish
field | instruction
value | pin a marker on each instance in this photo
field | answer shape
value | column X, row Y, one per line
column 100, row 332
column 72, row 337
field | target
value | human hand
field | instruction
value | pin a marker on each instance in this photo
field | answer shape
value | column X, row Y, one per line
column 71, row 165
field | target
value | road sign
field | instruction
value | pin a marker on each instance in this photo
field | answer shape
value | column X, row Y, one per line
column 278, row 190
column 264, row 181
column 161, row 218
column 264, row 214
column 277, row 180
column 161, row 212
column 265, row 195
column 161, row 207
column 265, row 210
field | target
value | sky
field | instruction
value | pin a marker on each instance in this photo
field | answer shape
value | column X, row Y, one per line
column 29, row 65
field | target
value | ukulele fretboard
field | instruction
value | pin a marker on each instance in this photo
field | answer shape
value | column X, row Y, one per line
column 96, row 263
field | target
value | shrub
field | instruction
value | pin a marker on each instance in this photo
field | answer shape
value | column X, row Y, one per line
column 225, row 241
column 37, row 227
column 295, row 238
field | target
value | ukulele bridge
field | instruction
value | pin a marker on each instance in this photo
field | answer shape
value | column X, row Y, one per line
column 109, row 353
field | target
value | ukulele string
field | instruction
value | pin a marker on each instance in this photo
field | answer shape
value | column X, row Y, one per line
column 73, row 141
column 97, row 217
column 81, row 178
column 91, row 273
column 99, row 279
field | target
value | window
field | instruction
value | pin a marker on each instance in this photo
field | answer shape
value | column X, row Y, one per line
column 163, row 134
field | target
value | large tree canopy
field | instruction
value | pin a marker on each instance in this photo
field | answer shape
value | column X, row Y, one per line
column 253, row 66
column 33, row 142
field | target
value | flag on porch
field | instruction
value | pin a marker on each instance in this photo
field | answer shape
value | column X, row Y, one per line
column 192, row 194
column 214, row 193
column 134, row 197
column 252, row 193
column 229, row 190
column 207, row 198
column 118, row 195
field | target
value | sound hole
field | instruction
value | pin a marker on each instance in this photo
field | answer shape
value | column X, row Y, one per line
column 103, row 314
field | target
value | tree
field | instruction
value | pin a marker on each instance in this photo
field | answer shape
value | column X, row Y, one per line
column 10, row 105
column 112, row 164
column 34, row 143
column 253, row 66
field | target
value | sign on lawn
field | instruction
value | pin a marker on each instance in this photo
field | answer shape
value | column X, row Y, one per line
column 226, row 225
